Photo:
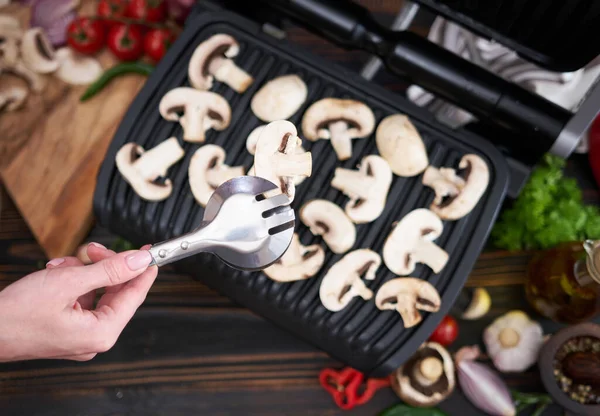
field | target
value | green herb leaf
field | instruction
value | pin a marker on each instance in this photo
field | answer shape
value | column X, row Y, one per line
column 548, row 212
column 404, row 410
column 120, row 245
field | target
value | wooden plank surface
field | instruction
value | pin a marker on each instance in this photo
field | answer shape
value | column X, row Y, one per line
column 50, row 151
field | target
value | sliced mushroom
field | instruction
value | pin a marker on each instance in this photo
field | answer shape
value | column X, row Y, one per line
column 399, row 142
column 37, row 52
column 12, row 98
column 276, row 158
column 251, row 147
column 455, row 197
column 298, row 263
column 340, row 121
column 77, row 69
column 410, row 242
column 326, row 219
column 207, row 171
column 343, row 280
column 367, row 188
column 279, row 98
column 213, row 59
column 201, row 111
column 427, row 378
column 144, row 170
column 408, row 296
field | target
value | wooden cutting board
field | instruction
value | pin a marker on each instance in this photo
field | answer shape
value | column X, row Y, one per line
column 51, row 150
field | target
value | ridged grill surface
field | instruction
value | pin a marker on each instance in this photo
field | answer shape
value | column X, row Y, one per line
column 561, row 34
column 360, row 334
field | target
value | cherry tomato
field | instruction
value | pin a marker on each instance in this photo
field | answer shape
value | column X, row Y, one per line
column 126, row 42
column 86, row 35
column 156, row 43
column 446, row 332
column 147, row 10
column 111, row 9
column 594, row 149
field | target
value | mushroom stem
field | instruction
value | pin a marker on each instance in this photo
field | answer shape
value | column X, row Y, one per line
column 358, row 288
column 226, row 71
column 296, row 164
column 429, row 253
column 341, row 139
column 36, row 82
column 193, row 128
column 157, row 160
column 353, row 183
column 429, row 371
column 215, row 177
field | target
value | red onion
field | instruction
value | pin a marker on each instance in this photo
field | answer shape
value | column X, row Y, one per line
column 482, row 386
column 53, row 16
column 179, row 9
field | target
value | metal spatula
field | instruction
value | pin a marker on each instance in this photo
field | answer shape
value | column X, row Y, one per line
column 240, row 226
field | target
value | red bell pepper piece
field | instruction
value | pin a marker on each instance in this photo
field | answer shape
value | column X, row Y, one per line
column 348, row 386
column 594, row 149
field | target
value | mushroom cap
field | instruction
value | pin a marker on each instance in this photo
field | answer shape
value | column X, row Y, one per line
column 399, row 142
column 141, row 168
column 342, row 282
column 279, row 98
column 408, row 295
column 410, row 236
column 12, row 98
column 253, row 138
column 202, row 110
column 76, row 69
column 367, row 188
column 521, row 351
column 326, row 219
column 476, row 180
column 205, row 158
column 357, row 114
column 37, row 52
column 276, row 158
column 219, row 45
column 415, row 388
column 298, row 263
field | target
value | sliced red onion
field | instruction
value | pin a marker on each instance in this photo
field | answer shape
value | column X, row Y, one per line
column 482, row 386
column 179, row 9
column 53, row 16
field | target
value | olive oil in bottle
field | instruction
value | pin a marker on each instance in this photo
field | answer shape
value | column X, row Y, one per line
column 563, row 284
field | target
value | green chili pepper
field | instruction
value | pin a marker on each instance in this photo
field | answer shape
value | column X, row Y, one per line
column 404, row 410
column 117, row 70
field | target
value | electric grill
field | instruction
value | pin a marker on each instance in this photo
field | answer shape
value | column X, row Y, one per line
column 360, row 335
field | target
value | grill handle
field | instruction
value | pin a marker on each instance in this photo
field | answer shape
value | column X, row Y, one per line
column 530, row 122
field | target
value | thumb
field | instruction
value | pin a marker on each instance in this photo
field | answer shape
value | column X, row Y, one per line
column 111, row 271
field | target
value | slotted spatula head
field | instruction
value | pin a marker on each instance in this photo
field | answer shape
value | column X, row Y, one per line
column 260, row 229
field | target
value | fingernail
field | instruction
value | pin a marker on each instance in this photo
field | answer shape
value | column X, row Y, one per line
column 55, row 262
column 138, row 260
column 98, row 245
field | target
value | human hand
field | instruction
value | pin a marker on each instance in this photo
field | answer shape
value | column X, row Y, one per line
column 51, row 313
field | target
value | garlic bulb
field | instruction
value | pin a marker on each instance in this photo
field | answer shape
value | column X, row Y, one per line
column 513, row 341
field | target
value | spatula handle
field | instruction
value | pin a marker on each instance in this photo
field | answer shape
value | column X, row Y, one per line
column 169, row 251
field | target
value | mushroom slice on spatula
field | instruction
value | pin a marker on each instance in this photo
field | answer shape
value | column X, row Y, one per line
column 326, row 219
column 410, row 242
column 143, row 170
column 196, row 111
column 213, row 59
column 427, row 378
column 208, row 170
column 340, row 121
column 276, row 158
column 343, row 280
column 408, row 295
column 298, row 263
column 366, row 187
column 456, row 196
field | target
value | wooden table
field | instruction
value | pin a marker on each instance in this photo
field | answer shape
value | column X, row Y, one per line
column 190, row 351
